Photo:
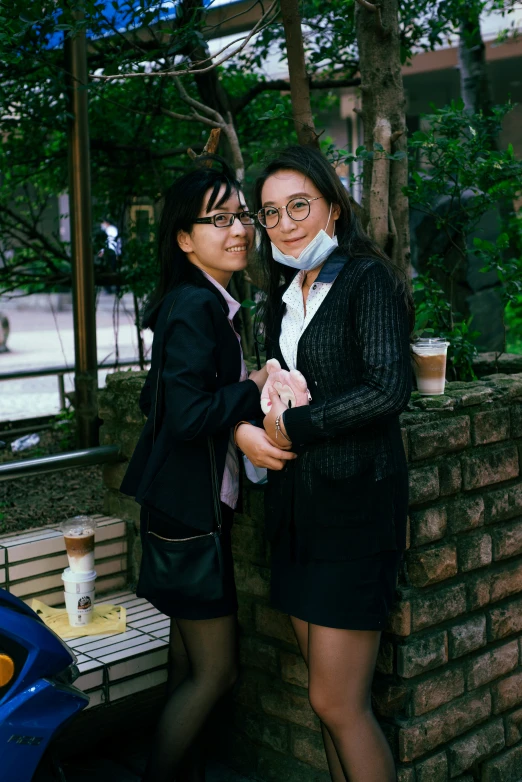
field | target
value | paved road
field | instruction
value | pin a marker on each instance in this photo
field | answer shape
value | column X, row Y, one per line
column 109, row 765
column 40, row 339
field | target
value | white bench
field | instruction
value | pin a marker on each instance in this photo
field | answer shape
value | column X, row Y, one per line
column 111, row 666
column 31, row 563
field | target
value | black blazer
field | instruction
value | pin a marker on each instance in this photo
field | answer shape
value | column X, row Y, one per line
column 199, row 396
column 355, row 356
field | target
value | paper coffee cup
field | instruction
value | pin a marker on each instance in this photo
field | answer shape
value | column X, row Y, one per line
column 78, row 534
column 76, row 583
column 79, row 596
column 429, row 365
column 79, row 608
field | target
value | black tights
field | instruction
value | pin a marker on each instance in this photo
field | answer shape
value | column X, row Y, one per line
column 203, row 667
column 340, row 672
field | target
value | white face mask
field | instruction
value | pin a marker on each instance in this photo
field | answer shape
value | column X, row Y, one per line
column 313, row 254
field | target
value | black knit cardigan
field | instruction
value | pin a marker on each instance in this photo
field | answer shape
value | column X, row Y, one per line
column 355, row 356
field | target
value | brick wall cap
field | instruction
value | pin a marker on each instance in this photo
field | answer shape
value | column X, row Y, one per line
column 127, row 377
column 488, row 363
column 460, row 394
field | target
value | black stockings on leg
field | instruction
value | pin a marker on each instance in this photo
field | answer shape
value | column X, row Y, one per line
column 192, row 766
column 341, row 664
column 211, row 650
column 334, row 764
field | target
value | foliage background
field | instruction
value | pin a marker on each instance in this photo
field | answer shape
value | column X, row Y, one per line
column 137, row 150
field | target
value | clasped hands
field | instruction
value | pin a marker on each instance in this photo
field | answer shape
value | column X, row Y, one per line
column 261, row 445
column 277, row 408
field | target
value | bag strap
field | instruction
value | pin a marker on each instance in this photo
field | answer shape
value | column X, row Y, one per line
column 216, row 491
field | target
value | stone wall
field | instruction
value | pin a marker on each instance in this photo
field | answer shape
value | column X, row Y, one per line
column 487, row 364
column 448, row 686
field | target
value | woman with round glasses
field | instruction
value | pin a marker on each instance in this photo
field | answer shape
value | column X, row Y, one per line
column 338, row 311
column 199, row 382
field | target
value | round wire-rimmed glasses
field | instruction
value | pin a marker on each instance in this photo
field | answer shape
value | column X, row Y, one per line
column 226, row 219
column 297, row 209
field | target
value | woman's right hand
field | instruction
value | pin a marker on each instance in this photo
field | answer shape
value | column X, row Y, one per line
column 259, row 376
column 259, row 448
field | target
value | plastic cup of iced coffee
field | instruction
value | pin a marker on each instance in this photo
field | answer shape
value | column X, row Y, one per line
column 429, row 365
column 78, row 533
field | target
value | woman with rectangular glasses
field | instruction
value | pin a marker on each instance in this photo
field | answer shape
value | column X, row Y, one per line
column 338, row 311
column 196, row 392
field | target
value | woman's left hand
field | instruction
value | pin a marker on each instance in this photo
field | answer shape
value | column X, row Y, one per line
column 277, row 408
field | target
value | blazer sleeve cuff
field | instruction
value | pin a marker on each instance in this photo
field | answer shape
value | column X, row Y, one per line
column 299, row 426
column 253, row 400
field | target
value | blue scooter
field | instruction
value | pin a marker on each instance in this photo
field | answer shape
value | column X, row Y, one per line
column 37, row 670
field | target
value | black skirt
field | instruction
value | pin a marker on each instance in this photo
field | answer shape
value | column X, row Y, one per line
column 183, row 608
column 351, row 594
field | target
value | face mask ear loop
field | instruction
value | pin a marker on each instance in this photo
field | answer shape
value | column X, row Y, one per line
column 329, row 215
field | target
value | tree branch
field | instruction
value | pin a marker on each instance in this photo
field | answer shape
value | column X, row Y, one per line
column 32, row 233
column 260, row 25
column 210, row 147
column 193, row 117
column 281, row 85
column 234, row 16
column 107, row 146
column 196, row 105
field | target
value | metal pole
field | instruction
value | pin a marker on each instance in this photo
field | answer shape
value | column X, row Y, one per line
column 138, row 331
column 61, row 391
column 86, row 376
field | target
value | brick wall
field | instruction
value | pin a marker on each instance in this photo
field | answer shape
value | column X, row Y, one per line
column 491, row 363
column 448, row 686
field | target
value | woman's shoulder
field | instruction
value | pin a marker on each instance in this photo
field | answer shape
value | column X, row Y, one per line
column 192, row 300
column 368, row 269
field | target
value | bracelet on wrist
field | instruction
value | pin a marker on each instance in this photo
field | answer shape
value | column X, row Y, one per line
column 278, row 428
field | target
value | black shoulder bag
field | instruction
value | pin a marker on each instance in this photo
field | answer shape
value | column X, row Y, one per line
column 176, row 569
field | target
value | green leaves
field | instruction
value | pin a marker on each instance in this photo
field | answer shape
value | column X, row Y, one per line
column 277, row 113
column 434, row 316
column 362, row 154
column 250, row 305
column 457, row 175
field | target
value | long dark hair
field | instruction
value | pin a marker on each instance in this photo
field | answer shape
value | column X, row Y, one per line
column 182, row 205
column 352, row 239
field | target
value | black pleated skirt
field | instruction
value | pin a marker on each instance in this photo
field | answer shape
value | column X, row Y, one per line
column 183, row 607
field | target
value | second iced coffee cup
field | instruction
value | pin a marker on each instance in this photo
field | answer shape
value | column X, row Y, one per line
column 429, row 365
column 79, row 535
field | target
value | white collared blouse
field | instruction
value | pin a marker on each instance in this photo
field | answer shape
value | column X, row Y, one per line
column 296, row 319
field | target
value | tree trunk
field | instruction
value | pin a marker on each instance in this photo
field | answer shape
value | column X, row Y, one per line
column 211, row 91
column 474, row 81
column 214, row 95
column 476, row 93
column 299, row 82
column 385, row 207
